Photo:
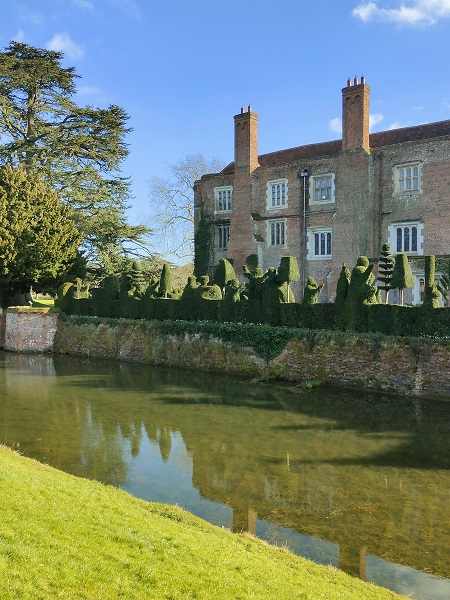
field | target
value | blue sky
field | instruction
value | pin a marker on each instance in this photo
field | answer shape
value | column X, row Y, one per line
column 182, row 69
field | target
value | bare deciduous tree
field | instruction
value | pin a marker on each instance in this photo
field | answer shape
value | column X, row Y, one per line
column 173, row 202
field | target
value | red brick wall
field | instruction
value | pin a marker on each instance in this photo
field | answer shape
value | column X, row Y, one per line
column 30, row 329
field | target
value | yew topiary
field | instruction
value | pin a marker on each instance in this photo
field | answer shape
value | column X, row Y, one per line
column 224, row 274
column 165, row 281
column 385, row 270
column 312, row 292
column 288, row 271
column 402, row 277
column 431, row 292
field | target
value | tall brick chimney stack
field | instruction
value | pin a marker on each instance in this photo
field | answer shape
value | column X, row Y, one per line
column 355, row 115
column 246, row 141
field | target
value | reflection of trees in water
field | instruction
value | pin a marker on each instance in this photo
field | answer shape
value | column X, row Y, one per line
column 330, row 465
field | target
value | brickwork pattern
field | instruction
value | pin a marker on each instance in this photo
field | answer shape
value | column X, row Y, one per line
column 29, row 330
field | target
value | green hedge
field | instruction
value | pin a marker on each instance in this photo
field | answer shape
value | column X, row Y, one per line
column 382, row 318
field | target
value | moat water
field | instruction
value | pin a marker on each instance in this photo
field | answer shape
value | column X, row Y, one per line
column 357, row 481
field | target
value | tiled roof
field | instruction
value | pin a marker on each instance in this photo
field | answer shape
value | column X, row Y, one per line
column 410, row 134
column 376, row 140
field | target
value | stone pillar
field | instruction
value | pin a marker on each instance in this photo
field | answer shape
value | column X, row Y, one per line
column 30, row 329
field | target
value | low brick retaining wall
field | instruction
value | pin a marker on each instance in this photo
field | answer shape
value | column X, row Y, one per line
column 412, row 366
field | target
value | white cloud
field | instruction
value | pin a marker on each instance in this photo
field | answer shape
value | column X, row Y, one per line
column 408, row 12
column 62, row 42
column 335, row 125
column 375, row 119
column 395, row 125
column 446, row 103
column 417, row 108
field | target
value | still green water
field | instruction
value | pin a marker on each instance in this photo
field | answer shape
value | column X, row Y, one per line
column 357, row 481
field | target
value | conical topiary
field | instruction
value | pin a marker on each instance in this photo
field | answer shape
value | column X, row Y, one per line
column 402, row 277
column 385, row 270
column 165, row 281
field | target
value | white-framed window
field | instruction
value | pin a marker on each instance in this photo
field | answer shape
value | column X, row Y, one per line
column 408, row 178
column 321, row 188
column 406, row 238
column 276, row 232
column 223, row 198
column 320, row 243
column 223, row 236
column 277, row 193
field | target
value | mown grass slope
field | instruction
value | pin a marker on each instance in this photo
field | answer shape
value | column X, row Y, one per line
column 66, row 537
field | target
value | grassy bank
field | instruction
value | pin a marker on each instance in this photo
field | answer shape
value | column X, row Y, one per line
column 65, row 537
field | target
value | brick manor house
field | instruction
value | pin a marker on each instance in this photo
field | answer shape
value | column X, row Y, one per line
column 330, row 202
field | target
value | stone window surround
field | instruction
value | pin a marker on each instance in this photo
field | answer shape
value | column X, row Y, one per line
column 218, row 191
column 283, row 192
column 272, row 233
column 392, row 237
column 312, row 188
column 396, row 176
column 311, row 242
column 223, row 237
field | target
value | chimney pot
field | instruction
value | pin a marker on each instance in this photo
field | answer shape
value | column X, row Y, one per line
column 249, row 108
column 355, row 81
column 242, row 110
column 349, row 82
column 363, row 79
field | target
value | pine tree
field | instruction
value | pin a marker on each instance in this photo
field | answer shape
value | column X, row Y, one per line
column 38, row 236
column 77, row 150
column 385, row 270
column 402, row 277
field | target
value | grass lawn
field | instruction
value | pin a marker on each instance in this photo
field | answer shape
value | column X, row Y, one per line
column 66, row 537
column 43, row 302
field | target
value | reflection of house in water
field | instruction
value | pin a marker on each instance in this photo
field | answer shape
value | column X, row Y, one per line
column 340, row 486
column 367, row 474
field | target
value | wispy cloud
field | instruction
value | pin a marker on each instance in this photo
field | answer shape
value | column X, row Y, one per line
column 62, row 42
column 375, row 119
column 87, row 90
column 407, row 12
column 129, row 7
column 336, row 123
column 84, row 4
column 446, row 103
column 20, row 36
column 417, row 108
column 395, row 125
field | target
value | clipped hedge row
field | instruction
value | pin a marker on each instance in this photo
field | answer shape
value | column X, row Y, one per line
column 383, row 318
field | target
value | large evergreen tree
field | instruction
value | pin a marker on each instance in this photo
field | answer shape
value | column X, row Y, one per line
column 38, row 236
column 77, row 150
